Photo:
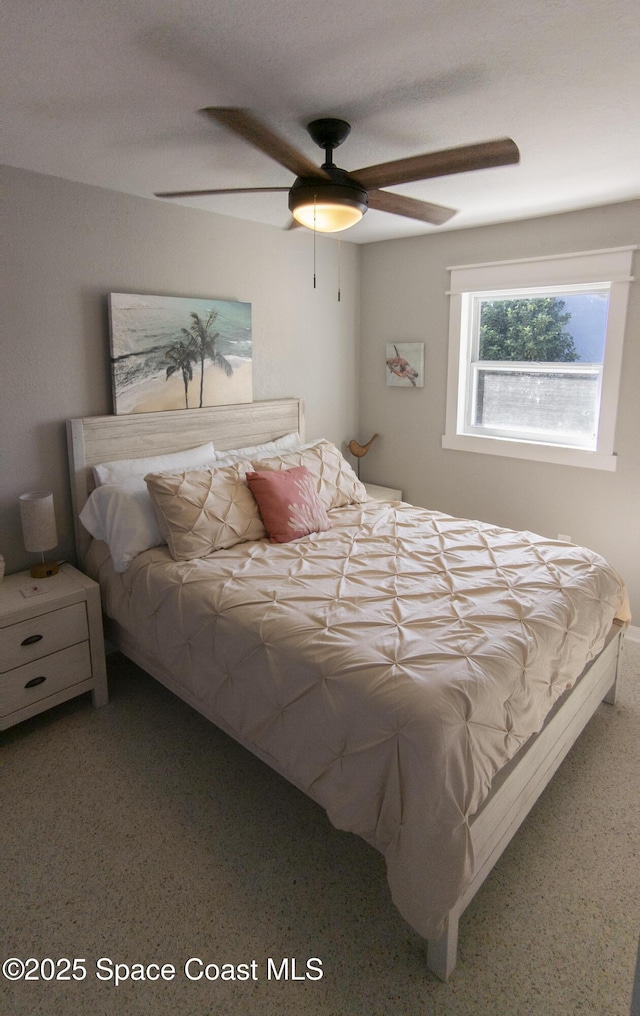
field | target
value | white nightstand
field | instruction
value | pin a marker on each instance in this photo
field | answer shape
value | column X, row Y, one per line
column 379, row 493
column 51, row 643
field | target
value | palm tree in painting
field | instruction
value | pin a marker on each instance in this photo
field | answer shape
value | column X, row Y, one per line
column 183, row 356
column 205, row 344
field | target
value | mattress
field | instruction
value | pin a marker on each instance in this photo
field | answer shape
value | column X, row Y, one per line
column 389, row 667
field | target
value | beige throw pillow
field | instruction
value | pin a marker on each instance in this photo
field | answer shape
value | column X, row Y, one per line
column 204, row 510
column 336, row 482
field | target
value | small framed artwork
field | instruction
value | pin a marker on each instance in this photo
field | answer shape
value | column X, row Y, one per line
column 172, row 352
column 405, row 364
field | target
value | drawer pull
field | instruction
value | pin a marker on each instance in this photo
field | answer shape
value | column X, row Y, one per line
column 34, row 682
column 30, row 641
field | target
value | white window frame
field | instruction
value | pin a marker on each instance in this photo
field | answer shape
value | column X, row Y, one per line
column 610, row 269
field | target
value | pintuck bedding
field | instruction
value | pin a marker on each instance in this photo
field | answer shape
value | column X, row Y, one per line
column 389, row 666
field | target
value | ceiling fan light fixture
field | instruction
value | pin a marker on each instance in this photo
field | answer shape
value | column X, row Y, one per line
column 326, row 206
column 327, row 218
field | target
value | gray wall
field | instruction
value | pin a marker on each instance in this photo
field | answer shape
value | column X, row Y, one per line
column 68, row 245
column 404, row 285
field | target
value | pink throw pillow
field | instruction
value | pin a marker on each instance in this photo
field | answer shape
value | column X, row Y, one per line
column 288, row 503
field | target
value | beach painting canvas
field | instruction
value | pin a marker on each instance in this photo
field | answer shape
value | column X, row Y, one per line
column 405, row 364
column 172, row 352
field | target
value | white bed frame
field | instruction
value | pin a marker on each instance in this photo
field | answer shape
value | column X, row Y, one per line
column 518, row 786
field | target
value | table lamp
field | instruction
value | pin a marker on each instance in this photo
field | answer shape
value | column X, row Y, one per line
column 39, row 529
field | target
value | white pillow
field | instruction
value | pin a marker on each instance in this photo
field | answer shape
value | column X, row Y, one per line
column 120, row 469
column 124, row 517
column 280, row 444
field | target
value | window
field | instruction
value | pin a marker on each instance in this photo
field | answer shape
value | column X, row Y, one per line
column 535, row 350
column 535, row 365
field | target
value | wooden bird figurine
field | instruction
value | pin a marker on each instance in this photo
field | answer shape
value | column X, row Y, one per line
column 359, row 450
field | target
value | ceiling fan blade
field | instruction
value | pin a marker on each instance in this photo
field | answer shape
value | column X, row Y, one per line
column 247, row 126
column 501, row 152
column 222, row 190
column 399, row 204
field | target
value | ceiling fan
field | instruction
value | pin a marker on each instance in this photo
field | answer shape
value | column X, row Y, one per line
column 328, row 199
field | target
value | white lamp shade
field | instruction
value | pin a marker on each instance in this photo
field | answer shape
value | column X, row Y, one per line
column 38, row 521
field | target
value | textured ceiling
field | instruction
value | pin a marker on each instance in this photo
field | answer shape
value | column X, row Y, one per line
column 107, row 91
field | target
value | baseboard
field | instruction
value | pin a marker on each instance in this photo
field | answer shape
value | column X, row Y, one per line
column 633, row 633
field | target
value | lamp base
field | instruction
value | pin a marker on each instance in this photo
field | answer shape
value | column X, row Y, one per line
column 44, row 570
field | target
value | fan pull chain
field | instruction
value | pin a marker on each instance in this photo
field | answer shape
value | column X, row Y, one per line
column 314, row 242
column 315, row 252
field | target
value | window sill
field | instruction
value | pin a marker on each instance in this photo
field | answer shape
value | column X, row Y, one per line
column 534, row 452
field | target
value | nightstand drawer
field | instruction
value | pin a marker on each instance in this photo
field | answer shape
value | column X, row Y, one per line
column 60, row 670
column 30, row 640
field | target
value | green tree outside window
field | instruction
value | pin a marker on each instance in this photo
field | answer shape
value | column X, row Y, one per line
column 526, row 329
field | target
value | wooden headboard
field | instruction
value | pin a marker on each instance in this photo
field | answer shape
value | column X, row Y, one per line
column 97, row 439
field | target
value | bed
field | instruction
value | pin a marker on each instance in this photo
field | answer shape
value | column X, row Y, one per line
column 421, row 677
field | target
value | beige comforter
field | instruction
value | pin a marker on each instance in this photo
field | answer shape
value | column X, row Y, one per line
column 389, row 667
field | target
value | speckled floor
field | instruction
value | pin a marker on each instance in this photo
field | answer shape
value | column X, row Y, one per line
column 139, row 834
